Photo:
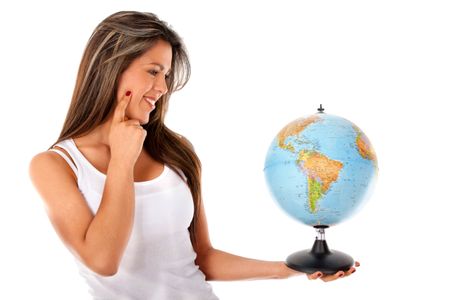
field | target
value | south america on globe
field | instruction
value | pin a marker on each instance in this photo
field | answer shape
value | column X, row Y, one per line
column 321, row 169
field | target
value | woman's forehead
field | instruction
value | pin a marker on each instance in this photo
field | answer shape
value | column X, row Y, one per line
column 160, row 55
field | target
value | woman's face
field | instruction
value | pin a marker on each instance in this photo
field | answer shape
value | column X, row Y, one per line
column 146, row 77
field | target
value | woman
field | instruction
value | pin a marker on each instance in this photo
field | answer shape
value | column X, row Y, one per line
column 121, row 189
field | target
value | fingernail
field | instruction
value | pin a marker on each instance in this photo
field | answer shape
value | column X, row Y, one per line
column 353, row 271
column 128, row 93
column 341, row 275
column 319, row 275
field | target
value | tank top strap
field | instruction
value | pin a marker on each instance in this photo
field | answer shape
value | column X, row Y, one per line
column 66, row 146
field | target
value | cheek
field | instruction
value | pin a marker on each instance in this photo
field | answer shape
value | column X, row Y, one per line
column 130, row 75
column 123, row 85
column 138, row 83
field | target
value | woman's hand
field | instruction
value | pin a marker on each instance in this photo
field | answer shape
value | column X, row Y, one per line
column 287, row 272
column 337, row 275
column 126, row 136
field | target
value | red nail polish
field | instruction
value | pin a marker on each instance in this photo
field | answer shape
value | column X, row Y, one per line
column 128, row 93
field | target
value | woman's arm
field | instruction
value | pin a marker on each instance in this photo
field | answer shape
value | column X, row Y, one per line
column 96, row 240
column 220, row 265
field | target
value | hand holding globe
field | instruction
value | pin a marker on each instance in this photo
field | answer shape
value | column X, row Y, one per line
column 287, row 272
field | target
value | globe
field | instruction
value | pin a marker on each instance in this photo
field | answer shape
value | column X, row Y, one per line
column 320, row 169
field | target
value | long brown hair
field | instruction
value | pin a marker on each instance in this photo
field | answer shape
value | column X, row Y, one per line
column 114, row 44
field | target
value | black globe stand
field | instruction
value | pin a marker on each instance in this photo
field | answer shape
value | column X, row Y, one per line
column 320, row 257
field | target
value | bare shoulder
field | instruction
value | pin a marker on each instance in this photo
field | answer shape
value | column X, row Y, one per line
column 50, row 161
column 47, row 170
column 44, row 161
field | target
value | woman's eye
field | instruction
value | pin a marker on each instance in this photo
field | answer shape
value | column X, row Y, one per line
column 154, row 73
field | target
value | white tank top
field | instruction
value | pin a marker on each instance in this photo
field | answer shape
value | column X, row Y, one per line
column 159, row 260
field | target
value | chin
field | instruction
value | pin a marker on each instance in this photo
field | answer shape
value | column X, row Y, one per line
column 142, row 118
column 144, row 122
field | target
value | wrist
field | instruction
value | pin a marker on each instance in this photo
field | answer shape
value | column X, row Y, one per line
column 119, row 163
column 285, row 272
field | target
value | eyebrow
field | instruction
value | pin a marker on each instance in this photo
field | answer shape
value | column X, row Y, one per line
column 159, row 65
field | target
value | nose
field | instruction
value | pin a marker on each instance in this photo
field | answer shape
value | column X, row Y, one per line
column 160, row 84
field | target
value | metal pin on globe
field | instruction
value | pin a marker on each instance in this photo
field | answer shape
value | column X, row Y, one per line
column 320, row 169
column 320, row 109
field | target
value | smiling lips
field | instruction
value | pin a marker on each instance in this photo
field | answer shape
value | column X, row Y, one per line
column 151, row 101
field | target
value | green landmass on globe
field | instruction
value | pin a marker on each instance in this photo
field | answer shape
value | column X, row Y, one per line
column 321, row 172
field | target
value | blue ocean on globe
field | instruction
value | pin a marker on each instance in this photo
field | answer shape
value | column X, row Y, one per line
column 321, row 169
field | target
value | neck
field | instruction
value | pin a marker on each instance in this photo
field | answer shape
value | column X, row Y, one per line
column 100, row 135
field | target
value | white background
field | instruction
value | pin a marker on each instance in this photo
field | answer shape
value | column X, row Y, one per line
column 384, row 65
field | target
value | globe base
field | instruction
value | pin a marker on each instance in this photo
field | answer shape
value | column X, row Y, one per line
column 319, row 258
